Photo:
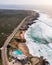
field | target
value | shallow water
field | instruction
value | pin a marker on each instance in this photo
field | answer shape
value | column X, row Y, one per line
column 39, row 37
column 17, row 52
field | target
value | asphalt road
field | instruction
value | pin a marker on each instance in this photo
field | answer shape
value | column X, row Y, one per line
column 4, row 48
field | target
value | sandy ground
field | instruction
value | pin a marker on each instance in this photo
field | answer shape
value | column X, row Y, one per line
column 34, row 60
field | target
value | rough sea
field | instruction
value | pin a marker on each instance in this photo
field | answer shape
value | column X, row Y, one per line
column 39, row 37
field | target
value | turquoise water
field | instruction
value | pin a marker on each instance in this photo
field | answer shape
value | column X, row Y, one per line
column 17, row 52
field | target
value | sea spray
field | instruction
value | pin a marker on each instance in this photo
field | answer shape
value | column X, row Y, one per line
column 38, row 37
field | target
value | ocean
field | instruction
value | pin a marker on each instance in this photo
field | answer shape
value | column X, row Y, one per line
column 39, row 37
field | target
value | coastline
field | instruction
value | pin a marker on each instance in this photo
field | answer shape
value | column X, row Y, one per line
column 4, row 49
column 41, row 38
column 35, row 59
column 25, row 26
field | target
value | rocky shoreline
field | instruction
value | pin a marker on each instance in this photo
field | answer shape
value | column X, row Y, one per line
column 31, row 60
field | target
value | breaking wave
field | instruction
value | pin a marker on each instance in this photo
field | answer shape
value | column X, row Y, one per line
column 39, row 37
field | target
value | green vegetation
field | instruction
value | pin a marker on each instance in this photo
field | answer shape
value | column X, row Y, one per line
column 9, row 19
column 0, row 58
column 0, row 62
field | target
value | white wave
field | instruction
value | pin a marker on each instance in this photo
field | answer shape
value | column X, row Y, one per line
column 38, row 37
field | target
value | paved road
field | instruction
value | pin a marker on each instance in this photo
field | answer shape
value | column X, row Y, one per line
column 4, row 48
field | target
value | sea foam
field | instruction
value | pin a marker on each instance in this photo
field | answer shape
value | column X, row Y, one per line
column 38, row 36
